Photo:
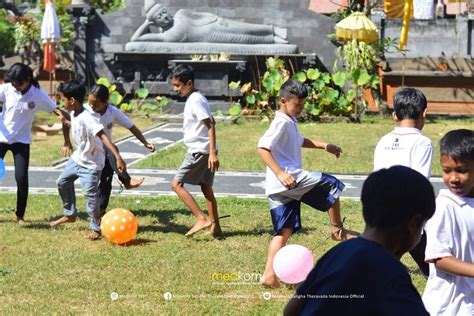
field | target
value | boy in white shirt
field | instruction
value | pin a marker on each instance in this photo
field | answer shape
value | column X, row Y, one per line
column 200, row 162
column 287, row 184
column 22, row 98
column 108, row 115
column 407, row 146
column 450, row 232
column 87, row 161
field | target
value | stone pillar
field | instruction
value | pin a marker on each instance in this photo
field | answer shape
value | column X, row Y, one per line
column 81, row 12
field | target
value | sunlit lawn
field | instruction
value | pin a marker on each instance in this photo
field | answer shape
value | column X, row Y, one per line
column 44, row 271
column 238, row 144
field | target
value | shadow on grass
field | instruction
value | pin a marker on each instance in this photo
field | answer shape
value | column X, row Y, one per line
column 165, row 221
column 136, row 242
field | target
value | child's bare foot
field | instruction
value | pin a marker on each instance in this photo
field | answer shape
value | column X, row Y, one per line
column 20, row 221
column 340, row 234
column 93, row 235
column 215, row 231
column 133, row 183
column 270, row 281
column 200, row 225
column 62, row 220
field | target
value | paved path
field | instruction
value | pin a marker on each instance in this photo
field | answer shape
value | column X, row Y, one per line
column 157, row 182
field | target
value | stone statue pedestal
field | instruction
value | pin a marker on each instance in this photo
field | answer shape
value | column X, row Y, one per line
column 210, row 48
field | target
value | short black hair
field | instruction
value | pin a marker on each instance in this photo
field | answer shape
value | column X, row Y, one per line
column 100, row 91
column 458, row 144
column 73, row 89
column 293, row 89
column 392, row 196
column 19, row 73
column 183, row 72
column 409, row 103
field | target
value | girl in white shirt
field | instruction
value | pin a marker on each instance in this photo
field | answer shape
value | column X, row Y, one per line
column 21, row 97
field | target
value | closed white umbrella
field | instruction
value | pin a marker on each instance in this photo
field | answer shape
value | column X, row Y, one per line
column 50, row 34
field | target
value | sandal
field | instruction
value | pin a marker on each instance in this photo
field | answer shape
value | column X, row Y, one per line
column 342, row 233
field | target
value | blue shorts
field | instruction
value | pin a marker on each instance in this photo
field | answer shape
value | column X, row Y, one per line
column 318, row 190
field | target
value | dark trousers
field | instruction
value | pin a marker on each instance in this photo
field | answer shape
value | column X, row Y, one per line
column 21, row 158
column 105, row 185
column 418, row 254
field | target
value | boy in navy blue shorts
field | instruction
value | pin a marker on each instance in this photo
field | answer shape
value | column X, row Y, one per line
column 287, row 184
column 364, row 276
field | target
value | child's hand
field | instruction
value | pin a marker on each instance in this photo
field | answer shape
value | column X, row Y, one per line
column 151, row 147
column 121, row 165
column 213, row 162
column 287, row 180
column 66, row 150
column 333, row 149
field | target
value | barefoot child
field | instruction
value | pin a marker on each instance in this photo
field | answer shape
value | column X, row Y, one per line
column 22, row 98
column 450, row 232
column 109, row 115
column 287, row 184
column 365, row 274
column 200, row 162
column 87, row 161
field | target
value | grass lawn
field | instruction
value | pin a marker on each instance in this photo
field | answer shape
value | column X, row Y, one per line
column 238, row 144
column 44, row 271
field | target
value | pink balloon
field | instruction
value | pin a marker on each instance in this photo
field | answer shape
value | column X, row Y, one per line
column 293, row 263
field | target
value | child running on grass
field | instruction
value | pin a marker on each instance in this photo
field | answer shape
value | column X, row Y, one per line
column 200, row 162
column 87, row 161
column 287, row 184
column 109, row 115
column 450, row 232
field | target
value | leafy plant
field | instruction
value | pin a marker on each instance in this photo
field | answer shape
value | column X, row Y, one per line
column 141, row 103
column 108, row 6
column 326, row 94
column 6, row 34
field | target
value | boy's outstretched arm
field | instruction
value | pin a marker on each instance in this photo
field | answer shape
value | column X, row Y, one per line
column 138, row 134
column 108, row 144
column 330, row 148
column 285, row 178
column 213, row 162
column 455, row 266
column 65, row 118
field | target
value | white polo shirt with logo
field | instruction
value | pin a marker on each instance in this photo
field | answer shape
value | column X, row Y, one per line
column 18, row 112
column 112, row 116
column 405, row 146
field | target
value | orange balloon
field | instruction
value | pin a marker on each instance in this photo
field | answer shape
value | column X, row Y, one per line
column 119, row 225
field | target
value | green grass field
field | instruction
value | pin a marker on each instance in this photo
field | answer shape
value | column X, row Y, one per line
column 45, row 271
column 238, row 142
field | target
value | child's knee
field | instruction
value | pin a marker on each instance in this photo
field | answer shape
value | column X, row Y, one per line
column 175, row 185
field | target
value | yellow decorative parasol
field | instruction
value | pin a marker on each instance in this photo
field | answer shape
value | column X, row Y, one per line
column 356, row 26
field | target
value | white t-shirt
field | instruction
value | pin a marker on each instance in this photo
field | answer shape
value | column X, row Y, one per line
column 196, row 134
column 18, row 112
column 404, row 146
column 112, row 116
column 89, row 151
column 450, row 232
column 284, row 141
